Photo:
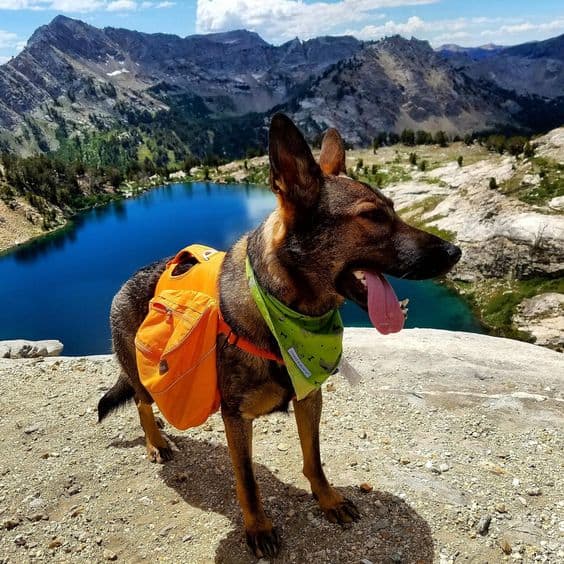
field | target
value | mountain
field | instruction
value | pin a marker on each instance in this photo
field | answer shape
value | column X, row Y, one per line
column 395, row 84
column 535, row 68
column 452, row 51
column 212, row 94
column 73, row 72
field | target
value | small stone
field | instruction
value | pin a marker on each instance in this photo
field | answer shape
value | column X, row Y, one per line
column 20, row 540
column 501, row 508
column 165, row 530
column 381, row 524
column 10, row 524
column 31, row 429
column 55, row 543
column 331, row 387
column 362, row 435
column 444, row 467
column 366, row 561
column 42, row 516
column 484, row 525
column 515, row 482
column 76, row 510
column 109, row 555
column 365, row 487
column 505, row 546
column 186, row 538
column 283, row 447
column 404, row 461
column 73, row 490
column 534, row 492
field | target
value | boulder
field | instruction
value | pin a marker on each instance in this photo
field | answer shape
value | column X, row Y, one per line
column 20, row 348
column 543, row 317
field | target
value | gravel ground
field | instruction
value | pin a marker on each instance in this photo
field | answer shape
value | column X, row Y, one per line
column 450, row 446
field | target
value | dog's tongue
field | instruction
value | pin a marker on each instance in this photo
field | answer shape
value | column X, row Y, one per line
column 383, row 305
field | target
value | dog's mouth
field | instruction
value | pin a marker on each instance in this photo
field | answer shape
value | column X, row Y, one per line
column 371, row 291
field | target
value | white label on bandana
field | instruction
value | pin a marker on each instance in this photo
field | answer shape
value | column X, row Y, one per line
column 292, row 352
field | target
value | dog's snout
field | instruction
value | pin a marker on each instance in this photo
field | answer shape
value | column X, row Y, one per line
column 454, row 253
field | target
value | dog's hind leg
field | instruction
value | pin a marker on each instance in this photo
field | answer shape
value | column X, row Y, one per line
column 158, row 448
column 308, row 414
column 262, row 537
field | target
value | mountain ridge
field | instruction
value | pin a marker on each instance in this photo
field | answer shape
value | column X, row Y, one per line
column 73, row 77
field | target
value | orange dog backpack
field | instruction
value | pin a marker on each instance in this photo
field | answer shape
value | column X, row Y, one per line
column 176, row 343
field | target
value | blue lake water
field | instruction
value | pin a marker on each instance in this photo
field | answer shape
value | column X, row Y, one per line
column 61, row 286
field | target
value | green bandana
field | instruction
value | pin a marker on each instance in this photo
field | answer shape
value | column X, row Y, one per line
column 311, row 346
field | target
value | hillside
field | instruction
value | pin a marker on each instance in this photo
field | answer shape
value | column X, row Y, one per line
column 213, row 94
column 395, row 84
column 535, row 68
column 458, row 437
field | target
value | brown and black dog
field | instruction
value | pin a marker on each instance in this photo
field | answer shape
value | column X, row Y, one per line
column 308, row 254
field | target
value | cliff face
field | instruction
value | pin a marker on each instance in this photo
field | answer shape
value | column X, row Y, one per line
column 454, row 436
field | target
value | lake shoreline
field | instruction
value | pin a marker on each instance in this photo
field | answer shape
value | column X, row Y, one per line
column 139, row 190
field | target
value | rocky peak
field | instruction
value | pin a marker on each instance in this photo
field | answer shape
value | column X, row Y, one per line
column 73, row 37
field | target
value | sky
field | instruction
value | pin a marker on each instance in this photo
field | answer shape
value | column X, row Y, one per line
column 465, row 22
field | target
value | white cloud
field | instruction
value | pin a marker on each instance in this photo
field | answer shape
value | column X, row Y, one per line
column 281, row 20
column 556, row 25
column 466, row 31
column 121, row 6
column 285, row 19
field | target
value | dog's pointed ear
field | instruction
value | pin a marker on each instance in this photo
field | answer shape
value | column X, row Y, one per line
column 295, row 177
column 332, row 157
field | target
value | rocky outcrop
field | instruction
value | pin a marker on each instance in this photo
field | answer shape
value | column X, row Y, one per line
column 543, row 317
column 20, row 348
column 501, row 236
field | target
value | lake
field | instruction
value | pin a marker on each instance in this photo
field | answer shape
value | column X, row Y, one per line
column 61, row 286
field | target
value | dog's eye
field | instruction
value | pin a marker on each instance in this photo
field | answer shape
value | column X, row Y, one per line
column 377, row 215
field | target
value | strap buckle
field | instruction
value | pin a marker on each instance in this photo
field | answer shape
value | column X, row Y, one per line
column 232, row 338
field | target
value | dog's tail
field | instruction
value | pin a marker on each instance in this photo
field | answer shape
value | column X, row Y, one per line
column 121, row 392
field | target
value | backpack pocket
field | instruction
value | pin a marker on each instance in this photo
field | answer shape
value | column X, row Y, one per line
column 176, row 356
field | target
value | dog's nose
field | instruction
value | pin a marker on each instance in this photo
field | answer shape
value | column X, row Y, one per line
column 454, row 253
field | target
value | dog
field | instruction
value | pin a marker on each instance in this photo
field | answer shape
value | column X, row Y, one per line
column 310, row 253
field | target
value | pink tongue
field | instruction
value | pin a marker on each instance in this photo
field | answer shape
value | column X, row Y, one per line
column 383, row 306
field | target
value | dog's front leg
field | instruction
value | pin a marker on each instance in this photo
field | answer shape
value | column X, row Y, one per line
column 308, row 414
column 261, row 535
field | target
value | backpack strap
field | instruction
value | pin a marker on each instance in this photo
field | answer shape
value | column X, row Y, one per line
column 245, row 344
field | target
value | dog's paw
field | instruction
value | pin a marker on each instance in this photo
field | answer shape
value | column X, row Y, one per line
column 264, row 544
column 159, row 455
column 343, row 512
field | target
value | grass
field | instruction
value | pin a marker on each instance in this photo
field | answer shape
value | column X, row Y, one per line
column 415, row 212
column 551, row 182
column 496, row 301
